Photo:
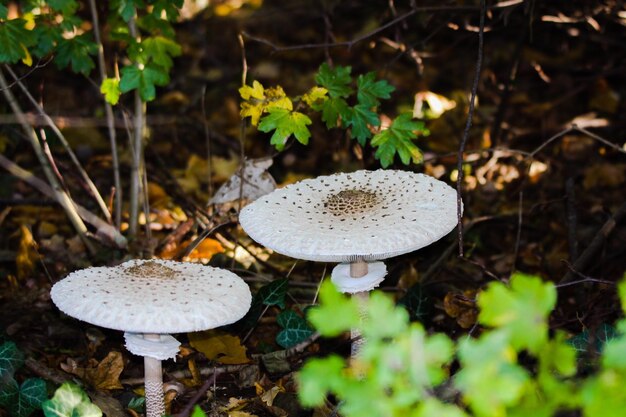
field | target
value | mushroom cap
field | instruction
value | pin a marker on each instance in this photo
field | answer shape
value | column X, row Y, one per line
column 153, row 296
column 367, row 215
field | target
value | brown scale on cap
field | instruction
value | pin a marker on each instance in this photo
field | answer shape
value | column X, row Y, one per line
column 151, row 269
column 347, row 202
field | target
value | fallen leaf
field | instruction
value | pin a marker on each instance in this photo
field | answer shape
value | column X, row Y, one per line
column 461, row 307
column 604, row 175
column 205, row 250
column 257, row 182
column 26, row 257
column 219, row 346
column 102, row 375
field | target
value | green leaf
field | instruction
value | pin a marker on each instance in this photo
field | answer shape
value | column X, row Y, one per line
column 9, row 391
column 144, row 80
column 604, row 395
column 4, row 11
column 15, row 40
column 318, row 377
column 621, row 289
column 66, row 7
column 416, row 302
column 126, row 8
column 433, row 407
column 369, row 91
column 111, row 89
column 160, row 50
column 398, row 138
column 359, row 118
column 295, row 329
column 10, row 359
column 285, row 123
column 489, row 378
column 70, row 401
column 76, row 52
column 520, row 310
column 32, row 394
column 557, row 356
column 384, row 319
column 137, row 404
column 613, row 355
column 336, row 80
column 336, row 312
column 274, row 293
column 593, row 342
column 332, row 109
column 170, row 7
column 197, row 412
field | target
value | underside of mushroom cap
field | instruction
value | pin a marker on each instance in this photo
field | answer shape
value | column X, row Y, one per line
column 153, row 296
column 363, row 215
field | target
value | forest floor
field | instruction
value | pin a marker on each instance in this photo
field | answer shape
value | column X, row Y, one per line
column 543, row 188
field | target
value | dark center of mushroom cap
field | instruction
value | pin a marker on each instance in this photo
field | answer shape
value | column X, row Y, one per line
column 151, row 269
column 347, row 202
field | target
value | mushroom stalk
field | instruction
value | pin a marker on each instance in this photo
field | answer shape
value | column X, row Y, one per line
column 358, row 270
column 155, row 400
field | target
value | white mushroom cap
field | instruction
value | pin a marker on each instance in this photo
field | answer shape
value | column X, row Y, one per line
column 365, row 215
column 153, row 296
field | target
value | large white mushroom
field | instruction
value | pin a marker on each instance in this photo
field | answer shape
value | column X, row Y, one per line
column 353, row 218
column 148, row 300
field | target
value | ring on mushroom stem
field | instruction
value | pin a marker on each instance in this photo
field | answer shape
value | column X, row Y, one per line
column 148, row 299
column 355, row 219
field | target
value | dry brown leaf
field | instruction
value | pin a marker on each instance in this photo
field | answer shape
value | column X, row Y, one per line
column 102, row 375
column 26, row 257
column 462, row 307
column 604, row 175
column 219, row 346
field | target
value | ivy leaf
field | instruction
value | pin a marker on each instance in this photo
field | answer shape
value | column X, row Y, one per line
column 416, row 302
column 76, row 51
column 587, row 341
column 143, row 79
column 318, row 377
column 9, row 392
column 295, row 329
column 15, row 40
column 369, row 91
column 398, row 138
column 358, row 118
column 66, row 7
column 336, row 80
column 274, row 293
column 32, row 394
column 332, row 109
column 336, row 312
column 10, row 359
column 70, row 401
column 160, row 50
column 111, row 89
column 520, row 310
column 285, row 123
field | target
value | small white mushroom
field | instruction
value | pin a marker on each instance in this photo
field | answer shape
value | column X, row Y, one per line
column 148, row 299
column 353, row 218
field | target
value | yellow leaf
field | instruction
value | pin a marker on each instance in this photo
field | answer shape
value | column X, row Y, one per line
column 157, row 196
column 256, row 91
column 240, row 414
column 26, row 257
column 268, row 396
column 206, row 249
column 222, row 169
column 315, row 95
column 235, row 404
column 28, row 59
column 220, row 346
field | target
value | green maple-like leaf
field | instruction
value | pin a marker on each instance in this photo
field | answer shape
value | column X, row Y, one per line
column 76, row 52
column 336, row 80
column 332, row 109
column 295, row 329
column 126, row 8
column 15, row 40
column 66, row 7
column 285, row 123
column 520, row 309
column 170, row 7
column 144, row 79
column 336, row 312
column 111, row 89
column 398, row 138
column 160, row 50
column 369, row 91
column 359, row 118
column 274, row 293
column 10, row 359
column 70, row 401
column 318, row 377
column 197, row 412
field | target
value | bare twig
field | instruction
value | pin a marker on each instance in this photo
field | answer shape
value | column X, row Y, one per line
column 109, row 118
column 58, row 193
column 198, row 395
column 585, row 279
column 468, row 125
column 106, row 232
column 83, row 174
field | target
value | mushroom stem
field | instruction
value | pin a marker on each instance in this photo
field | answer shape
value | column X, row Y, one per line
column 155, row 400
column 358, row 269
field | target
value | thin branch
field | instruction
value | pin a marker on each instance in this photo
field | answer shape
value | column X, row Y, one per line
column 468, row 125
